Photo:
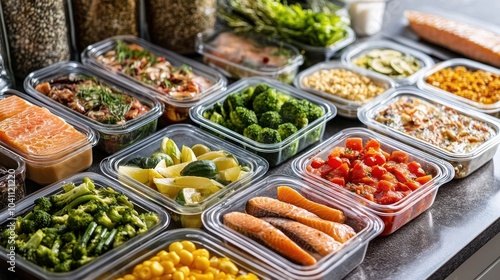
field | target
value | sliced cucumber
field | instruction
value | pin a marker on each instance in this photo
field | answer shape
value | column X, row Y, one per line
column 378, row 65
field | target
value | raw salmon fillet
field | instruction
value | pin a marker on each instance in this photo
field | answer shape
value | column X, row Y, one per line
column 289, row 195
column 270, row 207
column 12, row 105
column 470, row 41
column 309, row 238
column 265, row 233
column 36, row 131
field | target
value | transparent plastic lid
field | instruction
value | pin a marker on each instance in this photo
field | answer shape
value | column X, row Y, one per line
column 358, row 50
column 188, row 135
column 346, row 107
column 470, row 65
column 141, row 203
column 207, row 79
column 67, row 69
column 334, row 265
column 12, row 177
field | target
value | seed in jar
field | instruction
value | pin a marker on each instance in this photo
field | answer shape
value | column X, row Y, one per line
column 344, row 83
column 477, row 85
column 389, row 62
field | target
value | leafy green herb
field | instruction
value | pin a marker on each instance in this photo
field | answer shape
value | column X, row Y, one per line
column 97, row 96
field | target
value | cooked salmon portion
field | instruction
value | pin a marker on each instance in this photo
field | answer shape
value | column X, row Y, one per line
column 470, row 41
column 12, row 105
column 270, row 236
column 309, row 238
column 270, row 207
column 289, row 195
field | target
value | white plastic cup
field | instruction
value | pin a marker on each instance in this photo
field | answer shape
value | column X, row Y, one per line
column 366, row 16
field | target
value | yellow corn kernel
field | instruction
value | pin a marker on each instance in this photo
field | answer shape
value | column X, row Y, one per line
column 201, row 263
column 228, row 266
column 156, row 278
column 214, row 262
column 175, row 246
column 174, row 257
column 178, row 275
column 188, row 245
column 221, row 276
column 162, row 253
column 119, row 278
column 214, row 270
column 129, row 277
column 145, row 272
column 155, row 259
column 156, row 269
column 201, row 253
column 249, row 276
column 147, row 263
column 136, row 270
column 203, row 276
column 166, row 276
column 186, row 257
column 168, row 266
column 185, row 270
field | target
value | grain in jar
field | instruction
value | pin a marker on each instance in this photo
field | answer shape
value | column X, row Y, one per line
column 37, row 33
column 173, row 24
column 96, row 20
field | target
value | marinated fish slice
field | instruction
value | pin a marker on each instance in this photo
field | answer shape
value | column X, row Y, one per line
column 264, row 232
column 289, row 195
column 307, row 237
column 270, row 207
column 12, row 105
column 470, row 41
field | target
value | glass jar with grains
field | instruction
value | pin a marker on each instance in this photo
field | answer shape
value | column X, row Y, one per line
column 96, row 20
column 37, row 34
column 173, row 24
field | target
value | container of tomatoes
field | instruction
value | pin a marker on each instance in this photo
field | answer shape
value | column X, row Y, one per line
column 391, row 179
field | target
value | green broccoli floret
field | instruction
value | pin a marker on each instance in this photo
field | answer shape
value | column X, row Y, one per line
column 248, row 96
column 218, row 107
column 124, row 233
column 43, row 203
column 314, row 135
column 78, row 220
column 233, row 101
column 295, row 112
column 217, row 118
column 269, row 136
column 286, row 130
column 252, row 131
column 61, row 200
column 268, row 100
column 207, row 114
column 313, row 111
column 260, row 88
column 59, row 220
column 28, row 248
column 52, row 234
column 242, row 117
column 25, row 225
column 81, row 262
column 64, row 266
column 41, row 218
column 46, row 257
column 132, row 217
column 270, row 119
column 150, row 219
column 102, row 218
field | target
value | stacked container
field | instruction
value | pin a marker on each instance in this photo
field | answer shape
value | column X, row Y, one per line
column 12, row 177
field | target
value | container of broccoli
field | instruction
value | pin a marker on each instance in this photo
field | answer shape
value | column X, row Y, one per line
column 70, row 229
column 266, row 117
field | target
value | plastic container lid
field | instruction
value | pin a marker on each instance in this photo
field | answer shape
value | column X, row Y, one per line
column 360, row 49
column 244, row 262
column 493, row 109
column 217, row 80
column 273, row 153
column 394, row 215
column 335, row 265
column 247, row 55
column 346, row 108
column 12, row 177
column 95, row 267
column 464, row 163
column 113, row 137
column 46, row 169
column 183, row 134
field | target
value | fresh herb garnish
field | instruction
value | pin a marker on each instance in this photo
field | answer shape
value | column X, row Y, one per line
column 97, row 97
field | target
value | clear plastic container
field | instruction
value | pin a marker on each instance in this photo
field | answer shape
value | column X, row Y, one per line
column 12, row 177
column 273, row 153
column 394, row 215
column 47, row 169
column 335, row 265
column 189, row 135
column 361, row 49
column 27, row 269
column 464, row 163
column 176, row 110
column 246, row 263
column 241, row 56
column 491, row 109
column 346, row 108
column 113, row 137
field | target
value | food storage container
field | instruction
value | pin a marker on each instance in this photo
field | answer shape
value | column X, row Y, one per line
column 187, row 215
column 347, row 104
column 95, row 267
column 274, row 153
column 493, row 108
column 334, row 265
column 49, row 168
column 6, row 76
column 239, row 56
column 204, row 82
column 114, row 135
column 361, row 49
column 201, row 239
column 464, row 162
column 12, row 176
column 395, row 214
column 37, row 32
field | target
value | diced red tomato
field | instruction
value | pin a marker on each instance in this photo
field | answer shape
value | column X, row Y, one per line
column 389, row 177
column 334, row 162
column 354, row 143
column 413, row 185
column 414, row 166
column 380, row 159
column 338, row 181
column 386, row 186
column 399, row 156
column 367, row 181
column 370, row 161
column 400, row 187
column 386, row 155
column 360, row 171
column 400, row 173
column 317, row 162
column 372, row 143
column 423, row 179
column 324, row 169
column 390, row 197
column 378, row 171
column 341, row 171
